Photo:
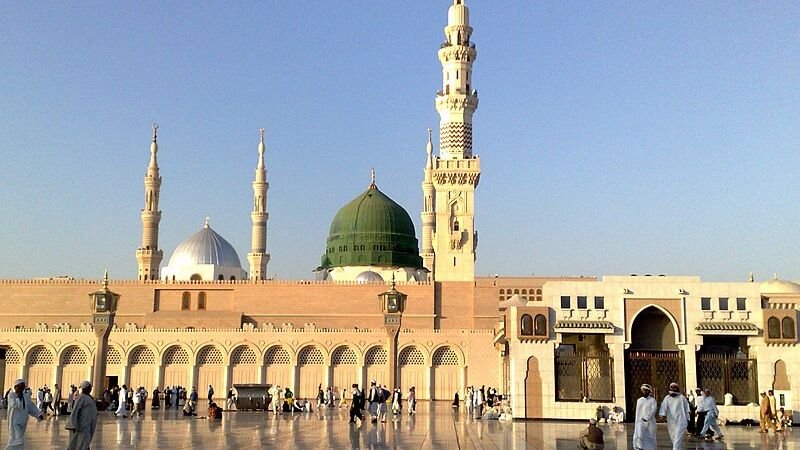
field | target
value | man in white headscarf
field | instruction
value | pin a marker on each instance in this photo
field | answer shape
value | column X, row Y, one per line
column 123, row 400
column 20, row 406
column 83, row 420
column 675, row 408
column 644, row 432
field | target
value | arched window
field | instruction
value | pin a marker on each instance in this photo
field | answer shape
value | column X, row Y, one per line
column 195, row 277
column 456, row 226
column 526, row 325
column 233, row 278
column 540, row 325
column 774, row 328
column 221, row 277
column 788, row 328
column 201, row 301
column 186, row 299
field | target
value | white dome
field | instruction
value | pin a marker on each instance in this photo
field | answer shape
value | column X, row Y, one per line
column 205, row 247
column 369, row 277
column 776, row 286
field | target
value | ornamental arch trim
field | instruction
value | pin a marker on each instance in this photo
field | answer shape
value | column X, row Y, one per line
column 245, row 354
column 209, row 354
column 126, row 355
column 376, row 355
column 143, row 354
column 345, row 354
column 74, row 354
column 405, row 357
column 40, row 354
column 443, row 347
column 312, row 354
column 675, row 326
column 277, row 355
column 176, row 354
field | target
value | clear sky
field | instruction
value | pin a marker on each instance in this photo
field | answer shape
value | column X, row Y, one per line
column 615, row 137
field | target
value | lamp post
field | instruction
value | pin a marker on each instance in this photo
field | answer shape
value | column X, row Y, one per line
column 104, row 307
column 393, row 303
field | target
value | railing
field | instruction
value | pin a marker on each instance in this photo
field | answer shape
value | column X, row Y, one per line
column 584, row 377
column 725, row 373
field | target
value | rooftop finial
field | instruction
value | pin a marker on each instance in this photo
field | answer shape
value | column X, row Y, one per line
column 751, row 278
column 393, row 282
column 155, row 132
column 206, row 224
column 261, row 132
column 372, row 179
column 105, row 279
column 775, row 276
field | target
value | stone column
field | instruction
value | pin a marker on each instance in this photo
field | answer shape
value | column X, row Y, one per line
column 101, row 332
column 391, row 336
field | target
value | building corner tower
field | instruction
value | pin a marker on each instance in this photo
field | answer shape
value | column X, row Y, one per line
column 149, row 256
column 258, row 256
column 428, row 209
column 456, row 171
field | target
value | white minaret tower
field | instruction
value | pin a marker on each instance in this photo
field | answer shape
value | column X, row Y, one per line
column 149, row 256
column 456, row 171
column 428, row 209
column 258, row 256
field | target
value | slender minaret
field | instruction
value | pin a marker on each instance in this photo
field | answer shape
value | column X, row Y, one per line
column 456, row 171
column 428, row 211
column 258, row 256
column 149, row 256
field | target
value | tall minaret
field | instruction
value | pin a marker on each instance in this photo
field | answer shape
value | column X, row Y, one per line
column 149, row 256
column 456, row 171
column 428, row 211
column 258, row 255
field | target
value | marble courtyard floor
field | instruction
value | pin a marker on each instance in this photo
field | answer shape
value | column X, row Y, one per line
column 435, row 426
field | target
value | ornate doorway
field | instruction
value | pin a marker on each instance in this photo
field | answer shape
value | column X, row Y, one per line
column 652, row 358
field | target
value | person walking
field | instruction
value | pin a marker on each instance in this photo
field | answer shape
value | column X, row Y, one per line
column 230, row 400
column 765, row 414
column 700, row 418
column 83, row 420
column 356, row 405
column 20, row 406
column 275, row 399
column 123, row 398
column 57, row 399
column 210, row 395
column 773, row 410
column 712, row 413
column 374, row 394
column 644, row 432
column 675, row 408
column 412, row 400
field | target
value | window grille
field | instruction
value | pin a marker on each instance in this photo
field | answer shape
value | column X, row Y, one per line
column 310, row 355
column 176, row 355
column 579, row 376
column 13, row 356
column 445, row 356
column 243, row 355
column 113, row 356
column 40, row 355
column 344, row 355
column 209, row 355
column 74, row 355
column 143, row 355
column 376, row 356
column 412, row 356
column 723, row 373
column 277, row 355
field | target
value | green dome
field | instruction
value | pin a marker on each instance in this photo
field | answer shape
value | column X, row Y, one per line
column 372, row 230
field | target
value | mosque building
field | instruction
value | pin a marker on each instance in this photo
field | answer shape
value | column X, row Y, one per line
column 559, row 347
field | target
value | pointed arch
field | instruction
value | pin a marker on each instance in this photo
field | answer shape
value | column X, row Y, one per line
column 675, row 325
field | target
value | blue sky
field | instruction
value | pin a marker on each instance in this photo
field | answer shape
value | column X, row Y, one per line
column 615, row 137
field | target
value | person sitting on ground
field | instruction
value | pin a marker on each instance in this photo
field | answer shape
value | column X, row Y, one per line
column 784, row 419
column 214, row 411
column 592, row 437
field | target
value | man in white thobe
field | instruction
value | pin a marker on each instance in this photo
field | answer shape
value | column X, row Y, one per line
column 276, row 393
column 711, row 417
column 83, row 420
column 675, row 408
column 123, row 399
column 20, row 406
column 644, row 432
